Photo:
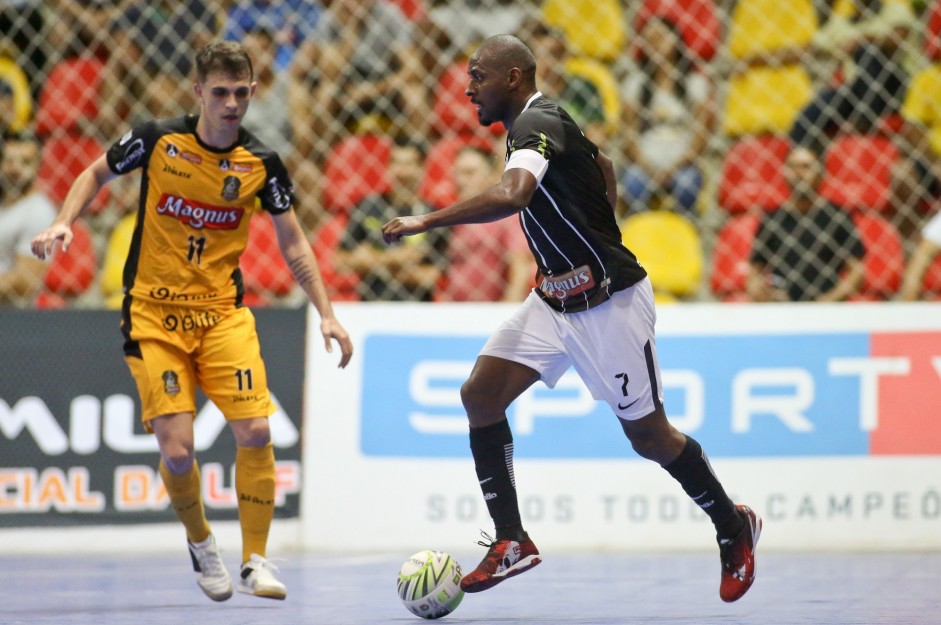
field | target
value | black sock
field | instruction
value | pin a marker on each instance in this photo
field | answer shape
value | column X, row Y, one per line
column 492, row 447
column 694, row 473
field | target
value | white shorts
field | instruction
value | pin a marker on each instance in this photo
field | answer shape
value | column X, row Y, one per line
column 611, row 346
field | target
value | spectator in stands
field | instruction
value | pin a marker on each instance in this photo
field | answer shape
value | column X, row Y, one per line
column 24, row 213
column 808, row 249
column 408, row 272
column 149, row 70
column 269, row 117
column 916, row 177
column 291, row 21
column 468, row 22
column 579, row 97
column 870, row 45
column 362, row 66
column 667, row 117
column 488, row 262
column 921, row 259
column 24, row 33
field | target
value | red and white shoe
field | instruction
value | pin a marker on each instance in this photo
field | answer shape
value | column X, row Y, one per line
column 504, row 559
column 738, row 557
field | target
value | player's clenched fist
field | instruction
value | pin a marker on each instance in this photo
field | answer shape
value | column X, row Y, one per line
column 400, row 227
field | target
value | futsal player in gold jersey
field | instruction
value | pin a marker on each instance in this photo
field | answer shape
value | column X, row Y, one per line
column 204, row 177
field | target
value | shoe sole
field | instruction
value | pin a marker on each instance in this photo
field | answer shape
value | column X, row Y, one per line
column 217, row 596
column 264, row 594
column 520, row 567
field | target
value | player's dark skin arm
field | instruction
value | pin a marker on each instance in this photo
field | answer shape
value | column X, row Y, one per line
column 509, row 196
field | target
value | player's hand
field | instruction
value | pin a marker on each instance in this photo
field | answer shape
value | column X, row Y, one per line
column 400, row 227
column 332, row 330
column 44, row 243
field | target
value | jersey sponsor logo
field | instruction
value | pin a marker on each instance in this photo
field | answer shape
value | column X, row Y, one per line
column 195, row 159
column 132, row 156
column 170, row 169
column 199, row 215
column 230, row 188
column 279, row 195
column 242, row 168
column 568, row 284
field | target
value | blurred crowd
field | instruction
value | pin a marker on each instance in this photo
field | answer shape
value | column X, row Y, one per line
column 766, row 150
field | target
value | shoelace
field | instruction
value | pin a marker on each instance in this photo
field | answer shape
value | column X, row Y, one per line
column 210, row 564
column 488, row 538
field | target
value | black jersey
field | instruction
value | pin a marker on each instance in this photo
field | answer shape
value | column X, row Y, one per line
column 570, row 226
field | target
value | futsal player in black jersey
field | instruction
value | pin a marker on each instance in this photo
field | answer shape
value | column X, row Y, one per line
column 562, row 189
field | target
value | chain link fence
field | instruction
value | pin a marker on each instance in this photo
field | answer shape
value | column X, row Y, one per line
column 699, row 102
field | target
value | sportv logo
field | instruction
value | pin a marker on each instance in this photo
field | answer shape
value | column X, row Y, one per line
column 756, row 395
column 92, row 423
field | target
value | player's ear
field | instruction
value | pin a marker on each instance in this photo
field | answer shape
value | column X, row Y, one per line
column 251, row 92
column 198, row 89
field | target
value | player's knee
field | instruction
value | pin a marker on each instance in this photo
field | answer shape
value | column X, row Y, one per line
column 476, row 399
column 252, row 432
column 178, row 459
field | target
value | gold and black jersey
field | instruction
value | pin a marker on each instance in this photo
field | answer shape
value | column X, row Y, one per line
column 195, row 205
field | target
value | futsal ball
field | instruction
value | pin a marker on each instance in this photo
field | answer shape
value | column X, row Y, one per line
column 430, row 584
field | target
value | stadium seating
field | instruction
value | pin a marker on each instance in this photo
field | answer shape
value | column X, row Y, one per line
column 933, row 32
column 753, row 174
column 931, row 283
column 14, row 76
column 70, row 273
column 63, row 158
column 341, row 287
column 592, row 28
column 69, row 94
column 731, row 255
column 884, row 260
column 669, row 247
column 437, row 186
column 859, row 171
column 599, row 75
column 697, row 19
column 765, row 98
column 356, row 167
column 264, row 273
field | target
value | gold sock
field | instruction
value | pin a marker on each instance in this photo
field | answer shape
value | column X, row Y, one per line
column 187, row 501
column 254, row 484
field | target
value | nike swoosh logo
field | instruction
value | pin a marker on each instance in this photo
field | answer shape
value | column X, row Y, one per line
column 620, row 407
column 484, row 481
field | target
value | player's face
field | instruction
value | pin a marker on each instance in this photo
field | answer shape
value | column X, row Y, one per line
column 486, row 90
column 223, row 99
column 19, row 165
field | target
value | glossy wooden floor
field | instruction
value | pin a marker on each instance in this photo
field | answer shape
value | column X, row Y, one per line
column 673, row 589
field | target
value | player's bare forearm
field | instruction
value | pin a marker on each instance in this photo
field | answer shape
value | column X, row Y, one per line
column 508, row 197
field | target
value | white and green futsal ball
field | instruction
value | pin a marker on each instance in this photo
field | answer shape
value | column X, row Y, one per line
column 430, row 584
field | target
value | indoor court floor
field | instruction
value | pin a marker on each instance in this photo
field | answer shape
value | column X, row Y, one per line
column 589, row 589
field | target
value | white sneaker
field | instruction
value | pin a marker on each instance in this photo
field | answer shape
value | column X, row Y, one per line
column 257, row 578
column 210, row 571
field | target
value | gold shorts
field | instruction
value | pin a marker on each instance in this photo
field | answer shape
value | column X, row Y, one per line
column 172, row 350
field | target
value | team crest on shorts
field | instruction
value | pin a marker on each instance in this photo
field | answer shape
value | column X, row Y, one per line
column 230, row 188
column 171, row 383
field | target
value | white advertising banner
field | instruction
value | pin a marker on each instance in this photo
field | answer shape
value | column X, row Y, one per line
column 825, row 418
